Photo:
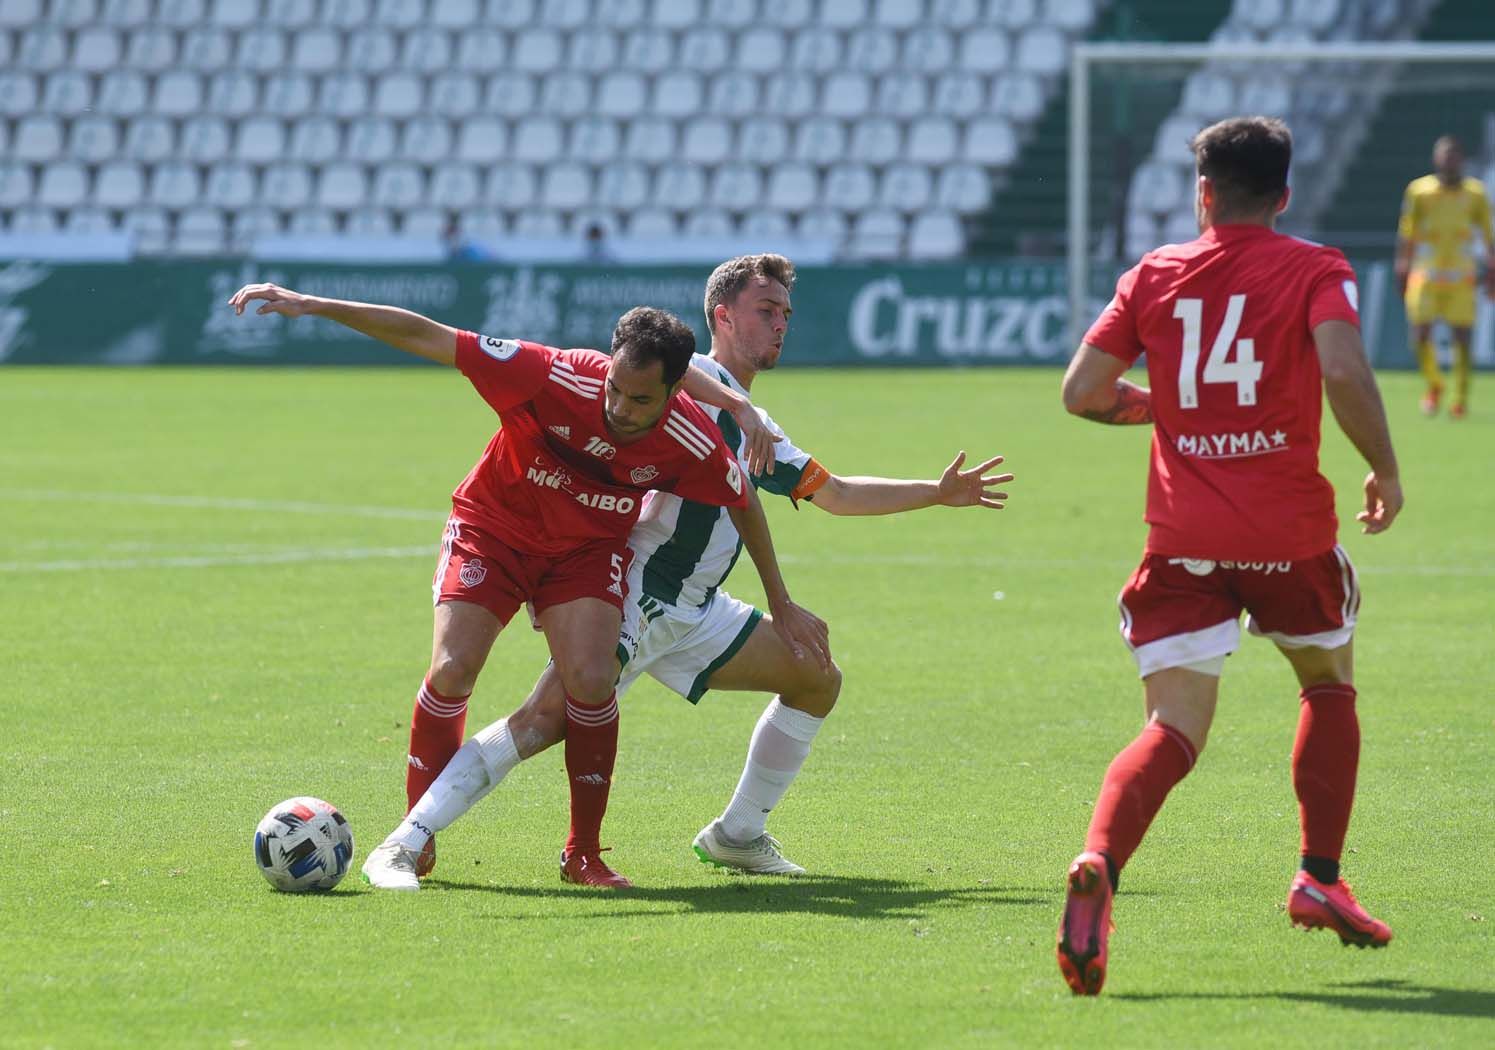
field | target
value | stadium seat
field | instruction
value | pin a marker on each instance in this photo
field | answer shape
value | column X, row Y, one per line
column 454, row 14
column 815, row 49
column 64, row 185
column 850, row 187
column 648, row 51
column 760, row 50
column 933, row 140
column 1261, row 16
column 792, row 187
column 17, row 93
column 286, row 186
column 762, row 139
column 482, row 140
column 707, row 140
column 119, row 184
column 398, row 14
column 566, row 94
column 34, row 220
column 95, row 50
column 964, row 188
column 936, row 235
column 233, row 94
column 871, row 49
column 621, row 94
column 536, row 51
column 252, row 223
column 819, row 140
column 235, row 14
column 1158, row 188
column 261, row 50
column 990, row 141
column 844, row 14
column 566, row 14
column 1015, row 14
column 929, row 50
column 675, row 14
column 679, row 186
column 877, row 234
column 537, row 140
column 425, row 50
column 481, row 50
column 319, row 50
column 341, row 185
column 875, row 140
column 900, row 14
column 1143, row 234
column 703, row 49
column 822, row 224
column 621, row 14
column 708, row 224
column 199, row 231
column 370, row 140
column 230, row 185
column 425, row 140
column 85, row 221
column 595, row 140
column 483, row 225
column 733, row 14
column 623, row 186
column 316, row 140
column 123, row 14
column 985, row 50
column 259, row 140
column 959, row 95
column 510, row 94
column 38, row 139
column 651, row 139
column 399, row 185
column 1208, row 96
column 204, row 139
column 788, row 14
column 344, row 95
column 150, row 228
column 375, row 48
column 18, row 14
column 902, row 95
column 1173, row 137
column 287, row 94
column 17, row 186
column 177, row 94
column 207, row 49
column 149, row 139
column 652, row 224
column 592, row 51
column 72, row 14
column 539, row 224
column 397, row 95
column 733, row 94
column 790, row 95
column 455, row 186
column 174, row 184
column 93, row 140
column 1179, row 228
column 846, row 95
column 1266, row 94
column 41, row 49
column 180, row 14
column 1072, row 16
column 735, row 187
column 955, row 14
column 511, row 187
column 312, row 222
column 290, row 14
column 905, row 187
column 1042, row 50
column 565, row 186
column 760, row 224
column 676, row 94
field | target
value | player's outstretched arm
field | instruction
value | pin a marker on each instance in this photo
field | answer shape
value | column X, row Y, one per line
column 805, row 633
column 401, row 329
column 1093, row 388
column 758, row 438
column 976, row 487
column 1355, row 401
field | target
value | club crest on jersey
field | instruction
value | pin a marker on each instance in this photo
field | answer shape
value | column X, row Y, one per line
column 562, row 432
column 473, row 573
column 498, row 349
column 643, row 475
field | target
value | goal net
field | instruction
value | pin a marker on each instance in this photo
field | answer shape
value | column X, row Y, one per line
column 1364, row 119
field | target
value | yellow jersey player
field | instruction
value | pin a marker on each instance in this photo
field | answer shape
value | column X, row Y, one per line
column 1435, row 265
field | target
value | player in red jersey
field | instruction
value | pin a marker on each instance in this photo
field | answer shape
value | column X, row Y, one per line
column 545, row 514
column 1241, row 327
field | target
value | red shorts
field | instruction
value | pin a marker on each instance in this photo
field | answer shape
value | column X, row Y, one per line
column 1181, row 611
column 475, row 566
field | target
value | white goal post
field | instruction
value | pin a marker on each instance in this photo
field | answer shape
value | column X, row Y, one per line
column 1086, row 56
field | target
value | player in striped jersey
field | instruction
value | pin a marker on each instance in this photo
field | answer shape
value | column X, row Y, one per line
column 683, row 629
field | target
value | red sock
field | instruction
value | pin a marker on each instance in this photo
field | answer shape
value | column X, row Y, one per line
column 1136, row 784
column 1326, row 755
column 591, row 750
column 436, row 728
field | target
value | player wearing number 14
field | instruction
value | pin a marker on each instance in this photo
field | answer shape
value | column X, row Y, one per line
column 1242, row 328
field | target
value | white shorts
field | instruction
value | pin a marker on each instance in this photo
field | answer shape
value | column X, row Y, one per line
column 681, row 648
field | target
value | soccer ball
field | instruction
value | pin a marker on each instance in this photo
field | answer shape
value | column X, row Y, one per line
column 303, row 844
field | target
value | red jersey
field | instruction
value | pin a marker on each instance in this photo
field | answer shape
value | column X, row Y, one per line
column 1226, row 322
column 553, row 478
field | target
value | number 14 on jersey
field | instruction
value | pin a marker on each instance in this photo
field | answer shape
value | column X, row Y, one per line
column 1244, row 371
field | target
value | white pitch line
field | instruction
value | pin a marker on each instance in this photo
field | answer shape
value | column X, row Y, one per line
column 210, row 561
column 222, row 503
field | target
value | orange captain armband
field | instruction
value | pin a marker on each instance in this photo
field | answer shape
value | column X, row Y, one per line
column 811, row 480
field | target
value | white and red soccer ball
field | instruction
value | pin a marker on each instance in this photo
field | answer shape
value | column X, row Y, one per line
column 303, row 844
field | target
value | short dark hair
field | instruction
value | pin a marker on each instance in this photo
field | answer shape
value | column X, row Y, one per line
column 1247, row 158
column 732, row 276
column 644, row 335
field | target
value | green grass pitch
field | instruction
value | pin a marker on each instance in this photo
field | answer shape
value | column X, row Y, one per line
column 215, row 595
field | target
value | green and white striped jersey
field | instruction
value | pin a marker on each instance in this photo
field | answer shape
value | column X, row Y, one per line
column 686, row 548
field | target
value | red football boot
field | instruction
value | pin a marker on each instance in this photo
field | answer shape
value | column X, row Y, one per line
column 1458, row 410
column 1312, row 904
column 426, row 862
column 587, row 869
column 1086, row 925
column 1429, row 402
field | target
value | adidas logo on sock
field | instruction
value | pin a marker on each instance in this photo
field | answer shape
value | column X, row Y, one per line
column 595, row 779
column 417, row 763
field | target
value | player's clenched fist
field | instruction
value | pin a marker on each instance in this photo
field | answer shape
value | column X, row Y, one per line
column 278, row 300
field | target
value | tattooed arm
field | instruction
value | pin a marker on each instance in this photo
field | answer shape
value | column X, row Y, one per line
column 1094, row 389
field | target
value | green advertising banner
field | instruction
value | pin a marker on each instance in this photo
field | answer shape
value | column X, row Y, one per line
column 175, row 312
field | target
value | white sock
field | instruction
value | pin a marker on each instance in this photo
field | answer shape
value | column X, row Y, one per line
column 476, row 769
column 781, row 741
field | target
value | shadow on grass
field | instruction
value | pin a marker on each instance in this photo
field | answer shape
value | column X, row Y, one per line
column 1384, row 995
column 818, row 895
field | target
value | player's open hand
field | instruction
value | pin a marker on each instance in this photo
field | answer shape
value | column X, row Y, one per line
column 974, row 487
column 278, row 300
column 1383, row 502
column 806, row 634
column 758, row 440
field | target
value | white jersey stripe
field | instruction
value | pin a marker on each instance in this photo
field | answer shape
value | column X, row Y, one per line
column 690, row 428
column 562, row 368
column 695, row 447
column 569, row 384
